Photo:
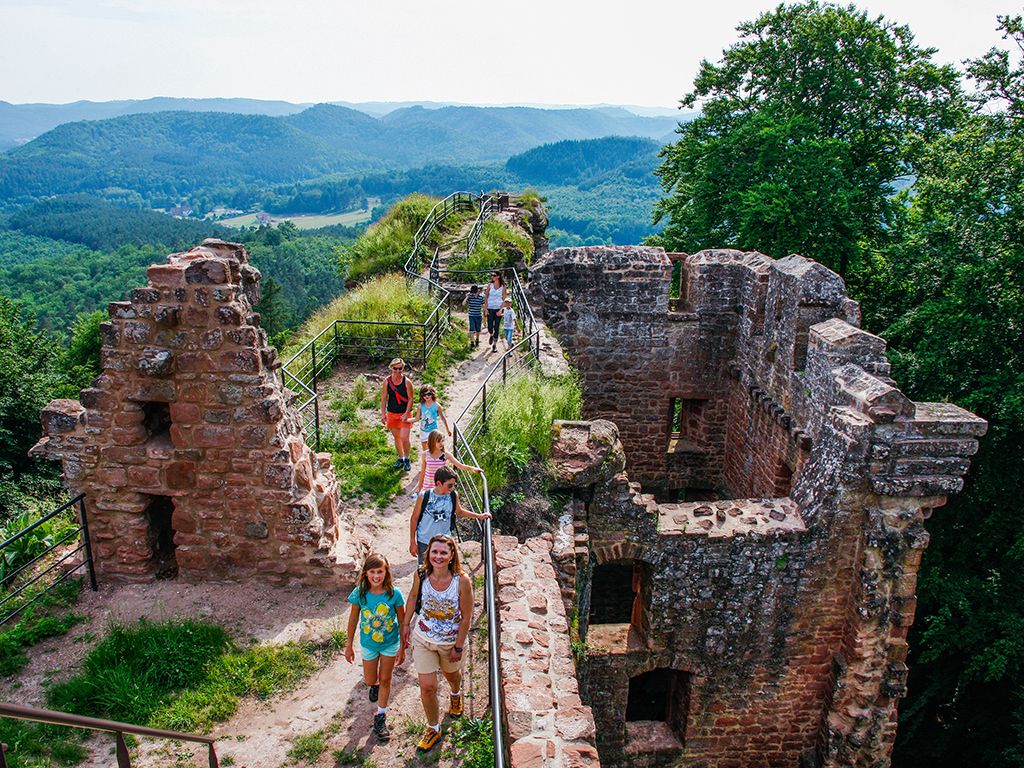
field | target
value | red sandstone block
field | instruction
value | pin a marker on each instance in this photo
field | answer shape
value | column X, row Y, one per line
column 185, row 413
column 144, row 476
column 166, row 275
column 209, row 481
column 526, row 753
column 579, row 756
column 180, row 474
column 212, row 436
column 114, row 477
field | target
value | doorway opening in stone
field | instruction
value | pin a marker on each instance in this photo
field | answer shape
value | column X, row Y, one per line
column 656, row 699
column 156, row 420
column 619, row 594
column 160, row 536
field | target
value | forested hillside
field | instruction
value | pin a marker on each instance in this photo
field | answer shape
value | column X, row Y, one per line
column 160, row 159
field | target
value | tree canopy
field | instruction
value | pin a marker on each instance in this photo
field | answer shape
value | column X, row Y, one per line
column 808, row 122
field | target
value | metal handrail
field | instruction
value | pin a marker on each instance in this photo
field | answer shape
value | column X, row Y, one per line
column 51, row 717
column 85, row 546
column 430, row 330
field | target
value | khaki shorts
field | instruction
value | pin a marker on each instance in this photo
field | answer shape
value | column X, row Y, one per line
column 428, row 657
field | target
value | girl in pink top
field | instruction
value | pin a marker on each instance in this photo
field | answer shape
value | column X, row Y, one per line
column 433, row 459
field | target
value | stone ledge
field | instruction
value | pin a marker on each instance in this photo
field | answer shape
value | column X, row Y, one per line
column 736, row 517
column 548, row 724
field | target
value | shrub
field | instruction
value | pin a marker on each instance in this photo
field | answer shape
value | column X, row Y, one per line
column 519, row 423
column 499, row 246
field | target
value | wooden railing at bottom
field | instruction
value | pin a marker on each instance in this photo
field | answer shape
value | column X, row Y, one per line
column 51, row 717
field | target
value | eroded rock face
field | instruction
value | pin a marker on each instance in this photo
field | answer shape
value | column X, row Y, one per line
column 586, row 452
column 185, row 447
column 776, row 593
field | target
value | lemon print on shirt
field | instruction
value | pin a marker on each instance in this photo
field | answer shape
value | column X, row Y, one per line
column 377, row 622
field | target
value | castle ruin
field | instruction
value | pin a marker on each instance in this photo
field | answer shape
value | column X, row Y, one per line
column 750, row 497
column 191, row 460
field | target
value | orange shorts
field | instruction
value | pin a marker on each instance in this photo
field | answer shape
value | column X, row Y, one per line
column 397, row 421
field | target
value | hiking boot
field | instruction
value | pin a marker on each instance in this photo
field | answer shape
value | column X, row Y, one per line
column 399, row 463
column 429, row 739
column 374, row 691
column 407, row 464
column 380, row 727
column 455, row 705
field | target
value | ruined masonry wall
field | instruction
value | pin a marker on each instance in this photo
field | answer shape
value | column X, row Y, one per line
column 548, row 724
column 784, row 605
column 250, row 499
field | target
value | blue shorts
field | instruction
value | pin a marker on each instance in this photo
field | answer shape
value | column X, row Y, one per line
column 508, row 334
column 371, row 654
column 475, row 323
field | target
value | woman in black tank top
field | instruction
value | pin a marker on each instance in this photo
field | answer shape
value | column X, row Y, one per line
column 396, row 411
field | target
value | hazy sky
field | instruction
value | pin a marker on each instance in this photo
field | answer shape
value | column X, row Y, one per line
column 556, row 52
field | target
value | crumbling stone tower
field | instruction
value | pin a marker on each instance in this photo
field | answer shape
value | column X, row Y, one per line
column 745, row 568
column 191, row 460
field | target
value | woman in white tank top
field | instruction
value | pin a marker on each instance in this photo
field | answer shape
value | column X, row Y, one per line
column 438, row 630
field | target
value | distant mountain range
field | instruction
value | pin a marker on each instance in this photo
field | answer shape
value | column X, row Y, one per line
column 180, row 152
column 20, row 123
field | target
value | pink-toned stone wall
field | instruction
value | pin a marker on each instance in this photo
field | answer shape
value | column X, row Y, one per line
column 548, row 724
column 250, row 499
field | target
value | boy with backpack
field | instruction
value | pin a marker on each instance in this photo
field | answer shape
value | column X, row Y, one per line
column 435, row 511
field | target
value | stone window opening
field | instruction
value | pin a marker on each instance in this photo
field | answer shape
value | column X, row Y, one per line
column 657, row 709
column 685, row 416
column 619, row 592
column 156, row 420
column 160, row 536
column 783, row 479
column 679, row 287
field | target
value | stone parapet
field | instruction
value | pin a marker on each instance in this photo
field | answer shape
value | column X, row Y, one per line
column 548, row 724
column 778, row 608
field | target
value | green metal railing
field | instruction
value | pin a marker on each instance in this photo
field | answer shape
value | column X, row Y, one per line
column 377, row 340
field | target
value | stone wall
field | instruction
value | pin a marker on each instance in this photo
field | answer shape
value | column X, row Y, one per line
column 548, row 724
column 186, row 447
column 775, row 617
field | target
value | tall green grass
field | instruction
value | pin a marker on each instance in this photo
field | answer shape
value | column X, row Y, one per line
column 385, row 246
column 519, row 423
column 385, row 299
column 499, row 246
column 181, row 674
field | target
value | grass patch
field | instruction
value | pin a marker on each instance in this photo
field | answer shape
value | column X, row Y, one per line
column 362, row 457
column 308, row 747
column 499, row 246
column 386, row 299
column 519, row 423
column 179, row 674
column 37, row 623
column 34, row 745
column 385, row 246
column 471, row 742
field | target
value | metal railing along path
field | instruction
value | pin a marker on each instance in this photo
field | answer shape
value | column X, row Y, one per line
column 33, row 571
column 466, row 428
column 124, row 760
column 369, row 339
